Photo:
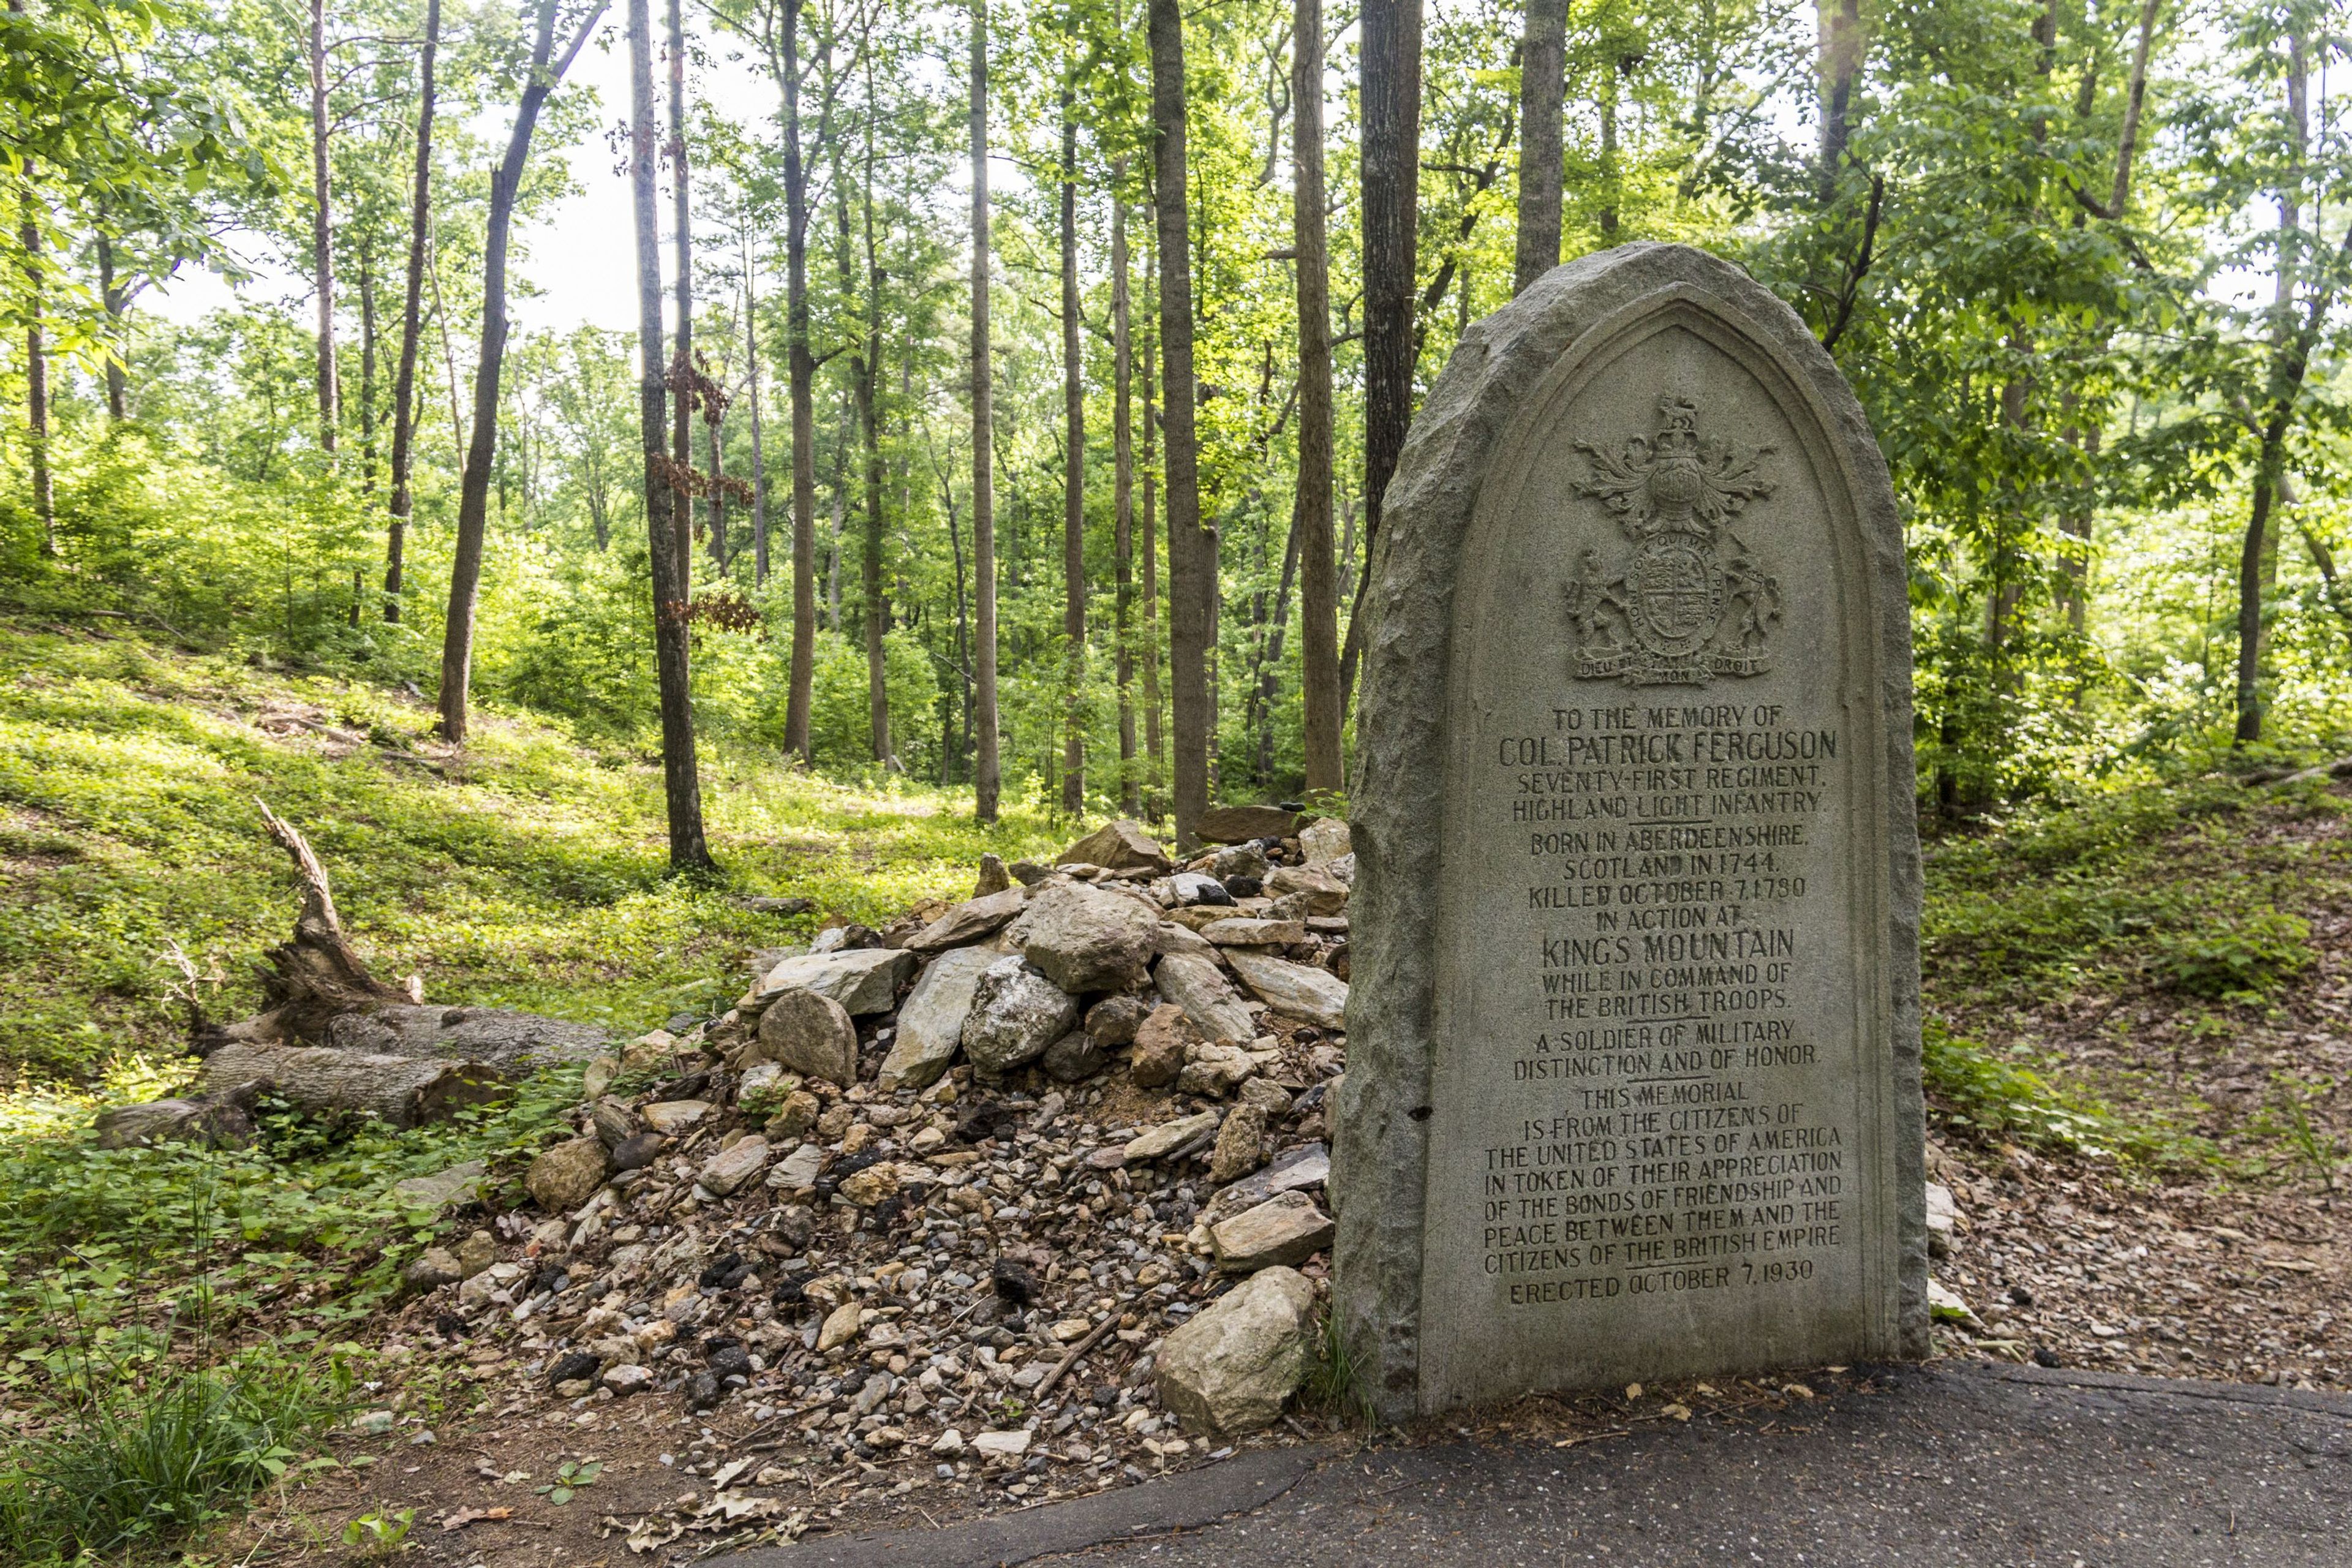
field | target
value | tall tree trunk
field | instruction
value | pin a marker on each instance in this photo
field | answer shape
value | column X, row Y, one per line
column 481, row 456
column 1073, row 476
column 840, row 489
column 1122, row 459
column 37, row 374
column 1266, row 680
column 758, row 458
column 681, row 783
column 1155, row 749
column 2289, row 357
column 1192, row 561
column 1543, row 79
column 1319, row 630
column 117, row 301
column 714, row 431
column 403, row 383
column 987, row 780
column 367, row 368
column 1841, row 64
column 801, row 369
column 681, row 429
column 1391, row 170
column 867, row 369
column 323, row 230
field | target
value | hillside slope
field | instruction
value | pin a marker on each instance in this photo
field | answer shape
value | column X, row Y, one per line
column 521, row 870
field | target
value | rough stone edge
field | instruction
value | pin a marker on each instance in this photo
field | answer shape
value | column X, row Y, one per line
column 1182, row 1501
column 1380, row 1150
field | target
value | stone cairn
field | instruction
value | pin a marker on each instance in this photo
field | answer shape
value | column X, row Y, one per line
column 1025, row 1186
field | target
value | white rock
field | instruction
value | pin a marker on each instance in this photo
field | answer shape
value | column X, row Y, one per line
column 1228, row 1369
column 798, row 1169
column 626, row 1379
column 1015, row 1014
column 671, row 1117
column 1171, row 1136
column 1000, row 1445
column 1323, row 840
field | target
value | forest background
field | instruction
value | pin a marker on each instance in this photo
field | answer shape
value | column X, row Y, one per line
column 2084, row 264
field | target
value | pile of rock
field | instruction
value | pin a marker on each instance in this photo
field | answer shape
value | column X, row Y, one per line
column 974, row 1190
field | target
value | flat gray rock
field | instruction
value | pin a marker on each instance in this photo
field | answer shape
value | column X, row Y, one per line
column 862, row 979
column 930, row 1021
column 975, row 920
column 1195, row 985
column 1282, row 1231
column 1294, row 990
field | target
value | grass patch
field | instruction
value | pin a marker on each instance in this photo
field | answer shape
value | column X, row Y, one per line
column 159, row 1457
column 526, row 870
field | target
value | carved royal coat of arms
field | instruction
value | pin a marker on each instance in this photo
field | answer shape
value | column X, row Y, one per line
column 1689, row 601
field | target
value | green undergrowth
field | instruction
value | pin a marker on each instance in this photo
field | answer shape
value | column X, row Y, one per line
column 2014, row 1096
column 527, row 870
column 2192, row 898
column 104, row 1251
column 2198, row 890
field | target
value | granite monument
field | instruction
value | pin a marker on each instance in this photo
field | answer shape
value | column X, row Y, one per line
column 1634, row 1082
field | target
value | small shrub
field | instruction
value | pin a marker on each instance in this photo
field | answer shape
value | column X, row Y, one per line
column 2232, row 957
column 150, row 1459
column 2003, row 1096
column 1334, row 1384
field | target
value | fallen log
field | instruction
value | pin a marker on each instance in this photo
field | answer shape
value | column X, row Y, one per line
column 221, row 1120
column 405, row 1092
column 317, row 991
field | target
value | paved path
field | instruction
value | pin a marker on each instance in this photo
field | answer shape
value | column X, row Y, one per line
column 1969, row 1469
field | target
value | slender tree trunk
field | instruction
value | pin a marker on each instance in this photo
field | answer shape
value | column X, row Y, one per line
column 1269, row 670
column 987, row 781
column 36, row 375
column 1391, row 169
column 758, row 458
column 1122, row 450
column 1841, row 66
column 1154, row 746
column 403, row 383
column 481, row 456
column 713, row 431
column 1074, row 478
column 323, row 230
column 681, row 426
column 840, row 487
column 867, row 369
column 801, row 372
column 117, row 302
column 367, row 369
column 681, row 784
column 1311, row 517
column 448, row 353
column 1543, row 79
column 1191, row 561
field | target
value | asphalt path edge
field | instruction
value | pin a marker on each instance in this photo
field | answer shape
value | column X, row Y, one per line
column 1182, row 1501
